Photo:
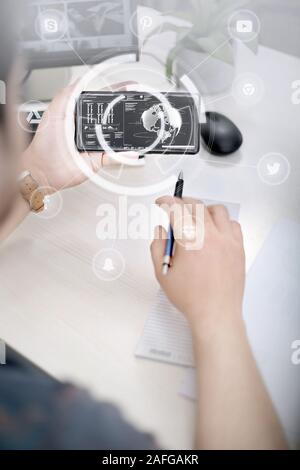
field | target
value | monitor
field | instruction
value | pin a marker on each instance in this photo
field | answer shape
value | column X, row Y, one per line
column 59, row 33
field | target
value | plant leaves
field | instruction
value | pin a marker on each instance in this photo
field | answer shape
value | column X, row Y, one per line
column 216, row 45
column 166, row 27
column 170, row 60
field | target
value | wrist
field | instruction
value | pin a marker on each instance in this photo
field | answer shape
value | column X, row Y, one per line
column 216, row 327
column 29, row 163
column 31, row 192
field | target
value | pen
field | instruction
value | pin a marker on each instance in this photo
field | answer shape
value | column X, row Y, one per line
column 169, row 250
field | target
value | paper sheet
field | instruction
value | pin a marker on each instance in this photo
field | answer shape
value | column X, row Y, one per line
column 166, row 335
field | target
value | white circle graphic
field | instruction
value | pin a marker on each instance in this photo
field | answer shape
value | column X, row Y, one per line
column 165, row 184
column 53, row 202
column 51, row 25
column 101, row 72
column 248, row 89
column 122, row 158
column 108, row 264
column 244, row 25
column 273, row 169
column 30, row 118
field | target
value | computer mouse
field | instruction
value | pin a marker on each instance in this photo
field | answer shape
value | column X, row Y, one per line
column 220, row 135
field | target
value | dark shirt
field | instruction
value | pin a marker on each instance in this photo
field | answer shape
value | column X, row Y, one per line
column 37, row 412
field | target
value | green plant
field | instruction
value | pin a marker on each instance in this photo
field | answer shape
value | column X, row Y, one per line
column 203, row 29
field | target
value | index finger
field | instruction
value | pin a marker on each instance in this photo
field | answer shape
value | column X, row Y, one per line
column 189, row 219
column 190, row 204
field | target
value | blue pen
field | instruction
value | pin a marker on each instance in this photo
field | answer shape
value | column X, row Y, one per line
column 169, row 250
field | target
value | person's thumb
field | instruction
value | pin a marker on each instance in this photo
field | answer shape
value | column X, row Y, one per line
column 100, row 160
column 158, row 248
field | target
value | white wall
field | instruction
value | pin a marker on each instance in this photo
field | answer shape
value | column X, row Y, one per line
column 280, row 24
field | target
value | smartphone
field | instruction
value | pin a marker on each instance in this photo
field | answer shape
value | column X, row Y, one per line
column 138, row 120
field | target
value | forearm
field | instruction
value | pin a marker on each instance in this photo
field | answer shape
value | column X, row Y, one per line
column 16, row 215
column 234, row 408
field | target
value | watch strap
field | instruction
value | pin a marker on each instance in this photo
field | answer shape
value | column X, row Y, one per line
column 31, row 192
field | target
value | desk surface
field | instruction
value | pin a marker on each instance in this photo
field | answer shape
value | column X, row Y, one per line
column 59, row 315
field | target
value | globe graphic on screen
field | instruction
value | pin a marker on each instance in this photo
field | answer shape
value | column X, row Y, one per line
column 151, row 119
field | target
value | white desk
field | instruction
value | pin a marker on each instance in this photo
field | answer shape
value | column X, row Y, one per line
column 58, row 314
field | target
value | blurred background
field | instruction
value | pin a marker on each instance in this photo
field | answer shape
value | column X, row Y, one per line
column 179, row 34
column 280, row 20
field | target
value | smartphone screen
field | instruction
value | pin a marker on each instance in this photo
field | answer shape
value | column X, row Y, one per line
column 134, row 122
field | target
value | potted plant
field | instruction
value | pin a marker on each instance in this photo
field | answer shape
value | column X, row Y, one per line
column 203, row 47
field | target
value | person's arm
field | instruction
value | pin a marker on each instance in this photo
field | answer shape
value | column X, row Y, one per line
column 207, row 285
column 49, row 160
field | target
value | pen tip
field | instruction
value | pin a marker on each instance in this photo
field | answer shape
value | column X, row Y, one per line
column 180, row 176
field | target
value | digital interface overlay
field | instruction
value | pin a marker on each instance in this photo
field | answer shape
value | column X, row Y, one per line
column 135, row 122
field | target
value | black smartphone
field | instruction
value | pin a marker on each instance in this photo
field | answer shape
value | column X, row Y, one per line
column 135, row 121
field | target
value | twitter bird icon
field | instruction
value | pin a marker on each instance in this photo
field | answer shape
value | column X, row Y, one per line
column 273, row 168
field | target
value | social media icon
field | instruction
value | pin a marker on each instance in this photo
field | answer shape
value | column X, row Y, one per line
column 34, row 117
column 146, row 22
column 248, row 89
column 50, row 25
column 273, row 168
column 244, row 26
column 108, row 265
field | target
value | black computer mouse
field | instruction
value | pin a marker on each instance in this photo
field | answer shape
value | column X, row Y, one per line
column 220, row 135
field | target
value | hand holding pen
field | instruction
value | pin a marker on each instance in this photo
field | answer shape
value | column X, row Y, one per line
column 170, row 245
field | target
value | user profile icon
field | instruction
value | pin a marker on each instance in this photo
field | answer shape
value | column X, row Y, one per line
column 248, row 89
column 243, row 25
column 108, row 264
column 273, row 169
